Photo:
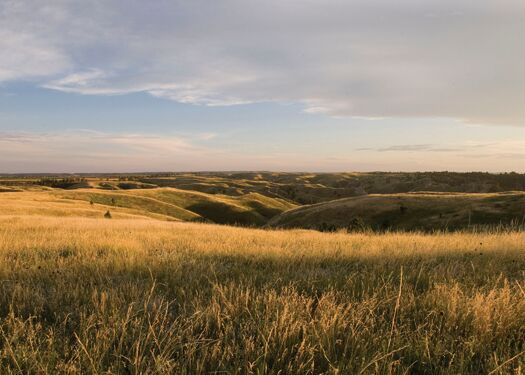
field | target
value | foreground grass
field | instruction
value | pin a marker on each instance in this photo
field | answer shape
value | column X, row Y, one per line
column 144, row 297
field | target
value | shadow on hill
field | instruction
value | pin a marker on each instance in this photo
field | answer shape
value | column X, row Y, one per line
column 427, row 212
column 222, row 213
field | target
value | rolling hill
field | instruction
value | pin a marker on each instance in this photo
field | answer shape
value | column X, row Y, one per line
column 408, row 211
column 299, row 188
column 328, row 201
column 162, row 203
column 311, row 188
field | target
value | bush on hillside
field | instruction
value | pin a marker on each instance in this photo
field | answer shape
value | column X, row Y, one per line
column 324, row 227
column 63, row 183
column 357, row 225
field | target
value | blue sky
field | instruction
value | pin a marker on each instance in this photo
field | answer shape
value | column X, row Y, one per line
column 103, row 86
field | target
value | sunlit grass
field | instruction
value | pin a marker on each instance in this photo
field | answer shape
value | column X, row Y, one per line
column 164, row 203
column 80, row 295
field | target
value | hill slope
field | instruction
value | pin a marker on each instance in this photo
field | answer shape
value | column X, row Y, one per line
column 310, row 188
column 410, row 211
column 300, row 188
column 161, row 203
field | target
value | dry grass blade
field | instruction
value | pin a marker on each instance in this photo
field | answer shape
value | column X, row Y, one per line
column 381, row 358
column 506, row 363
column 11, row 352
column 398, row 302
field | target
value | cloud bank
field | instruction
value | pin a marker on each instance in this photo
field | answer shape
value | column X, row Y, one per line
column 373, row 59
column 94, row 151
column 85, row 150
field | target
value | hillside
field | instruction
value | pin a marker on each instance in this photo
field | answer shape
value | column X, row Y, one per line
column 300, row 188
column 162, row 203
column 310, row 188
column 329, row 201
column 410, row 211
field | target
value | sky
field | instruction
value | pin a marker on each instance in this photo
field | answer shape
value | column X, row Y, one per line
column 282, row 85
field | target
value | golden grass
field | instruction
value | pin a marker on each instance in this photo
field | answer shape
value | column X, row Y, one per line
column 46, row 203
column 81, row 296
column 164, row 203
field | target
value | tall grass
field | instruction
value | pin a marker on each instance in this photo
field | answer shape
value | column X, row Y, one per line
column 88, row 296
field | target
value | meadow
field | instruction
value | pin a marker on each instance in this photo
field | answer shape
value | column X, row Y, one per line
column 82, row 295
column 136, row 276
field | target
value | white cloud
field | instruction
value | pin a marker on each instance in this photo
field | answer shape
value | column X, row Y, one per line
column 80, row 81
column 372, row 59
column 501, row 149
column 92, row 150
column 25, row 56
column 95, row 151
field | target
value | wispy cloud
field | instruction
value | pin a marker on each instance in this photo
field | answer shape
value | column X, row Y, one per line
column 84, row 150
column 509, row 149
column 342, row 58
column 27, row 56
column 413, row 148
column 94, row 150
column 406, row 148
column 505, row 155
column 84, row 82
column 75, row 138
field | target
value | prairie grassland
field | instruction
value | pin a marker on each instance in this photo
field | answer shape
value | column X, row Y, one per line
column 81, row 296
column 164, row 203
column 416, row 211
column 47, row 204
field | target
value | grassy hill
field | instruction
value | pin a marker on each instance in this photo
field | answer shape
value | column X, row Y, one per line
column 46, row 203
column 299, row 188
column 310, row 188
column 161, row 203
column 410, row 211
column 331, row 200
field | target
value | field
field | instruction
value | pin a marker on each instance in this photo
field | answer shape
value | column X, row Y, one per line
column 327, row 202
column 86, row 295
column 151, row 291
